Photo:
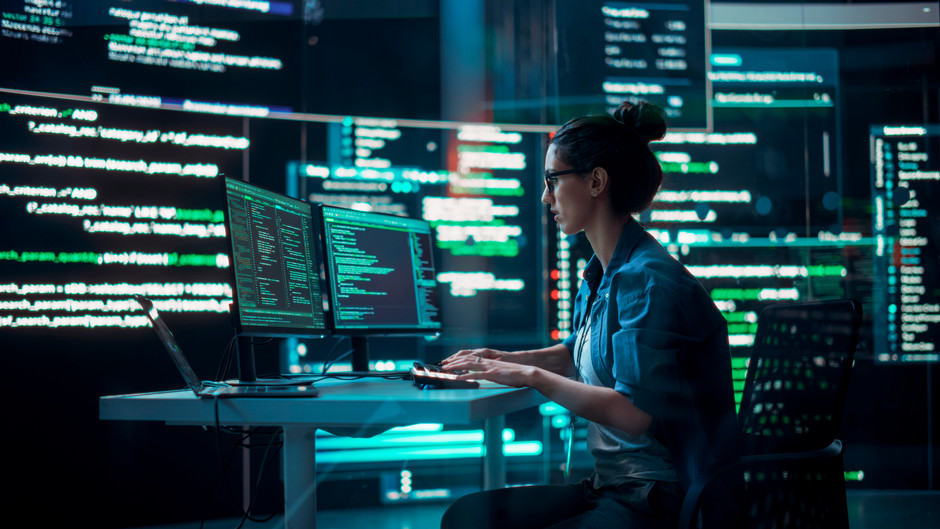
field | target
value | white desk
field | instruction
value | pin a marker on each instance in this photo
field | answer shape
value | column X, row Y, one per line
column 359, row 408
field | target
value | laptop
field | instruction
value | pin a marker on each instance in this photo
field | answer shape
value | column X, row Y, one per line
column 214, row 389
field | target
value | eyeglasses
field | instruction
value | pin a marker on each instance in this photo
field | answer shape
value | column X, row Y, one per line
column 551, row 179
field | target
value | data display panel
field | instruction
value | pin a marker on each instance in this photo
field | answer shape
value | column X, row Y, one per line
column 102, row 202
column 196, row 55
column 611, row 51
column 776, row 146
column 905, row 183
column 478, row 187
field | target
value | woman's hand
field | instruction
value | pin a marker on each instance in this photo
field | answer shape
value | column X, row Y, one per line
column 515, row 368
column 546, row 370
column 472, row 354
column 481, row 367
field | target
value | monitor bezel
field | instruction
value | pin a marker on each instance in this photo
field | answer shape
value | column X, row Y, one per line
column 370, row 331
column 274, row 331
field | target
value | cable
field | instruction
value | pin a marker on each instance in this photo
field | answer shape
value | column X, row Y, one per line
column 228, row 355
column 244, row 435
column 226, row 361
column 257, row 487
column 218, row 443
column 329, row 362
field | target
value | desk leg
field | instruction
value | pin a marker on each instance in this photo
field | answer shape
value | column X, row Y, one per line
column 300, row 477
column 494, row 462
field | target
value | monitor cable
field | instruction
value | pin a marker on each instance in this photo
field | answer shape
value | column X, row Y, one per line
column 243, row 440
column 330, row 361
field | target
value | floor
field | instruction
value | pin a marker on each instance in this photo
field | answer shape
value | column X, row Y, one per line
column 878, row 509
column 867, row 510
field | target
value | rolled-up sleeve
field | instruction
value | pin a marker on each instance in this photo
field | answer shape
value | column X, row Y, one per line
column 646, row 347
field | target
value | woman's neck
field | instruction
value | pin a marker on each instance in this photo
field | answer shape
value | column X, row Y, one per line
column 604, row 235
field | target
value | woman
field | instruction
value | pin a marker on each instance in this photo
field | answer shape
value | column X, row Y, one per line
column 648, row 364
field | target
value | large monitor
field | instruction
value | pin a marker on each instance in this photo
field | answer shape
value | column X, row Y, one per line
column 381, row 273
column 274, row 258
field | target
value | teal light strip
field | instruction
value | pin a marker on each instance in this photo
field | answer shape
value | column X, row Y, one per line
column 523, row 448
column 384, row 441
column 763, row 242
column 788, row 103
column 426, row 435
column 458, row 451
column 550, row 408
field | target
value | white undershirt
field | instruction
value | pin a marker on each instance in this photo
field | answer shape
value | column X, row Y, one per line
column 617, row 454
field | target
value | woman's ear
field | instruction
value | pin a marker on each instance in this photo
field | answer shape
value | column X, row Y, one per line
column 600, row 181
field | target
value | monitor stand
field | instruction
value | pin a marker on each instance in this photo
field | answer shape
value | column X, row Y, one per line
column 245, row 352
column 360, row 353
column 247, row 373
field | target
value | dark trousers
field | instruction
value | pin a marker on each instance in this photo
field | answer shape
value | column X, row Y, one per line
column 638, row 504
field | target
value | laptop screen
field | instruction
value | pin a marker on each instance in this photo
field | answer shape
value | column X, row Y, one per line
column 170, row 344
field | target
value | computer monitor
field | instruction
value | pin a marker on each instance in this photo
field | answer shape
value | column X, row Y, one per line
column 274, row 256
column 381, row 274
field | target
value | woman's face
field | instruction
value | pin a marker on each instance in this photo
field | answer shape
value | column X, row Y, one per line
column 571, row 200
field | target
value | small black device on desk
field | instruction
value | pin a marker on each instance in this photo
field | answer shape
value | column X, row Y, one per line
column 431, row 376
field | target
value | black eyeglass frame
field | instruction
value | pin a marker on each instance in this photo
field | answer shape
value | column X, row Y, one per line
column 551, row 179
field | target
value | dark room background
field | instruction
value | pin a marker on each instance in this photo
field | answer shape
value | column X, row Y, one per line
column 803, row 163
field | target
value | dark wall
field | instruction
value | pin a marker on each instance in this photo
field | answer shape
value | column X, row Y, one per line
column 67, row 465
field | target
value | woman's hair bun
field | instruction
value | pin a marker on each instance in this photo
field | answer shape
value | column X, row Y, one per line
column 646, row 119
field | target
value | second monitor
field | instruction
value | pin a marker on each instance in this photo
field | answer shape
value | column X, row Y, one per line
column 382, row 279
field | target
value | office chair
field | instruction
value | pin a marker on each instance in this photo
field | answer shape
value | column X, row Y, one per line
column 791, row 490
column 791, row 409
column 797, row 378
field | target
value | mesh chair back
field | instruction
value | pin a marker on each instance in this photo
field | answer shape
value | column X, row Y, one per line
column 797, row 379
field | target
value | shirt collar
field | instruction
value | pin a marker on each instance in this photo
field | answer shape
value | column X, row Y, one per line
column 630, row 236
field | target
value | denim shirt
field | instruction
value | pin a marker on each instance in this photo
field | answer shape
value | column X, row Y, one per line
column 657, row 338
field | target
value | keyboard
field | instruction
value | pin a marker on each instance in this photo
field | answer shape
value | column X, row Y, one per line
column 429, row 376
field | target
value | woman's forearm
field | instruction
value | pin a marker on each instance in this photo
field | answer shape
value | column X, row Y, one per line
column 556, row 359
column 595, row 403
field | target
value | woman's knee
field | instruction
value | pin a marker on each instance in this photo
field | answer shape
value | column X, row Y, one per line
column 467, row 511
column 514, row 507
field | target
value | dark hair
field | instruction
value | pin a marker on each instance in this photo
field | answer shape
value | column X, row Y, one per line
column 620, row 144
